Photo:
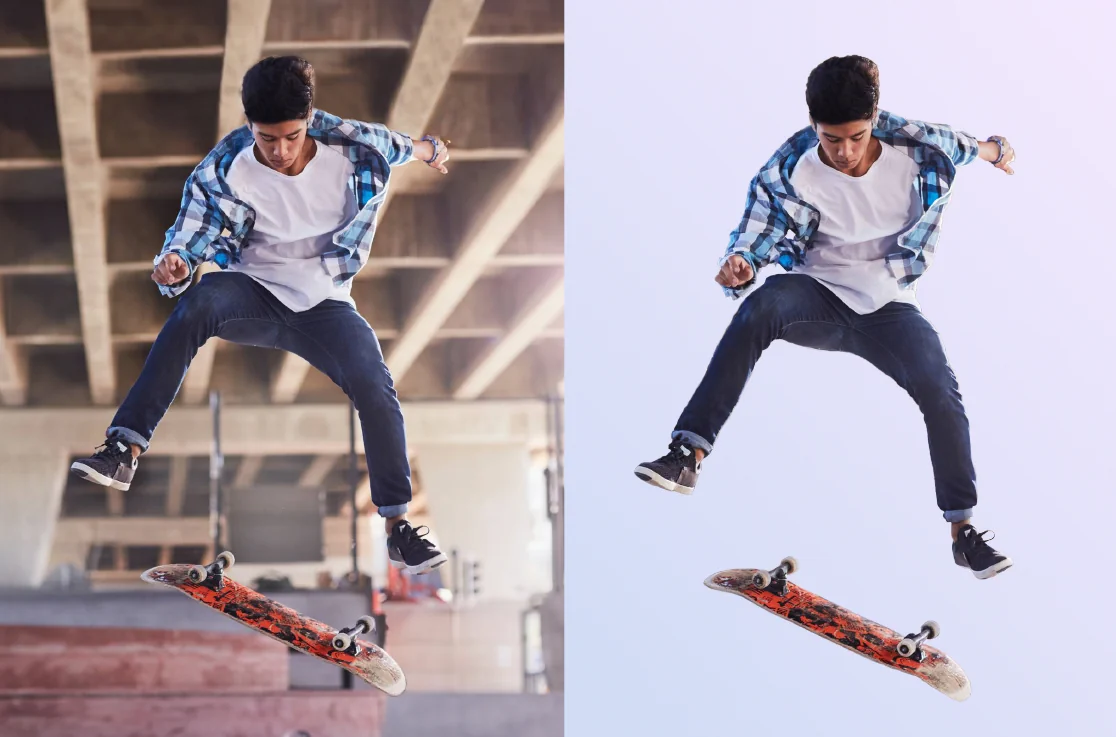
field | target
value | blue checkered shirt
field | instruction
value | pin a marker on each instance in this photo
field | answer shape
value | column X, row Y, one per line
column 212, row 223
column 779, row 227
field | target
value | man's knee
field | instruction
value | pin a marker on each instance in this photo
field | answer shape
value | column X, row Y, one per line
column 774, row 300
column 203, row 301
column 935, row 390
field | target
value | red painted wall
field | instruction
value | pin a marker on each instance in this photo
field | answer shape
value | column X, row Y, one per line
column 100, row 660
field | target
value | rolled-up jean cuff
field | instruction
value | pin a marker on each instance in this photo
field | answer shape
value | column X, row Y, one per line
column 396, row 510
column 128, row 436
column 696, row 442
column 957, row 515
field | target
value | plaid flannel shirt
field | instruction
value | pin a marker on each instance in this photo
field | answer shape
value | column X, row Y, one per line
column 212, row 223
column 779, row 227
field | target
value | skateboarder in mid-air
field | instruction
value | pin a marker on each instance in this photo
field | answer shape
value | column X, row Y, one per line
column 286, row 206
column 852, row 207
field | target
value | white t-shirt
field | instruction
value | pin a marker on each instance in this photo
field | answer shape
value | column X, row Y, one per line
column 296, row 219
column 861, row 220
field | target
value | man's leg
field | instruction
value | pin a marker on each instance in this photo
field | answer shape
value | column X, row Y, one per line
column 901, row 342
column 782, row 302
column 226, row 305
column 336, row 340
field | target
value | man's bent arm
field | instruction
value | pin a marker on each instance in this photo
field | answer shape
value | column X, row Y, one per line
column 196, row 228
column 760, row 229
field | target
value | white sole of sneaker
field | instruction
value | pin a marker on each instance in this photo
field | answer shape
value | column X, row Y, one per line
column 421, row 568
column 991, row 571
column 663, row 483
column 98, row 478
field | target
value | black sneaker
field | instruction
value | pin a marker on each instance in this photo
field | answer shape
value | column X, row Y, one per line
column 676, row 471
column 111, row 465
column 409, row 550
column 972, row 551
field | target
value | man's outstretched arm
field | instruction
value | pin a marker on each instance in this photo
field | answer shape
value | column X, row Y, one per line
column 400, row 148
column 961, row 147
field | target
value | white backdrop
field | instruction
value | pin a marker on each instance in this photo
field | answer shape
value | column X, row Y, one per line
column 672, row 110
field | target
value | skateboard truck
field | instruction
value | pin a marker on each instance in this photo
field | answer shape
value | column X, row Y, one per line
column 776, row 579
column 343, row 640
column 911, row 645
column 214, row 573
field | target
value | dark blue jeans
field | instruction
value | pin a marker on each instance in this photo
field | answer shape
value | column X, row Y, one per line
column 332, row 337
column 896, row 339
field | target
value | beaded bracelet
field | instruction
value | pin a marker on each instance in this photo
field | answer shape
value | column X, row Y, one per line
column 999, row 141
column 434, row 141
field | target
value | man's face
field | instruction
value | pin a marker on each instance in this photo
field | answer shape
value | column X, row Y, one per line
column 280, row 143
column 846, row 145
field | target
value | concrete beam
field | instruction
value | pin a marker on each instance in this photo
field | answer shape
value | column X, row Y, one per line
column 279, row 430
column 123, row 531
column 245, row 29
column 30, row 497
column 176, row 489
column 13, row 374
column 316, row 473
column 247, row 471
column 75, row 98
column 530, row 324
column 501, row 214
column 287, row 382
column 445, row 29
column 246, row 26
column 441, row 38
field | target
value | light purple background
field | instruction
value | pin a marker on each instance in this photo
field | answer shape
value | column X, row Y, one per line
column 672, row 108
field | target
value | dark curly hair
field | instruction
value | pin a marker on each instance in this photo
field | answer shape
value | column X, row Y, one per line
column 278, row 89
column 842, row 89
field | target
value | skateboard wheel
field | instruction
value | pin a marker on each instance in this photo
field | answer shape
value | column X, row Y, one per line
column 934, row 627
column 197, row 574
column 790, row 563
column 226, row 559
column 906, row 647
column 341, row 641
column 761, row 580
column 368, row 622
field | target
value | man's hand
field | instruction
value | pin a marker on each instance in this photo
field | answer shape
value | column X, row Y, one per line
column 171, row 270
column 989, row 151
column 735, row 272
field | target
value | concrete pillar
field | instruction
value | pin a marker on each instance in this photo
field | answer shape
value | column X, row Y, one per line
column 31, row 487
column 479, row 506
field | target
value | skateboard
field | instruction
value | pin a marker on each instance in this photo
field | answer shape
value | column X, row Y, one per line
column 772, row 591
column 209, row 585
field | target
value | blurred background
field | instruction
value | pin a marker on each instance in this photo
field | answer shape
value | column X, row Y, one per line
column 107, row 107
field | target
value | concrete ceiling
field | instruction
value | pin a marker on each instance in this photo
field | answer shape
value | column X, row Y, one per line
column 110, row 104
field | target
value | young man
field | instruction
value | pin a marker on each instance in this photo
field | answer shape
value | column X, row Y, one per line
column 286, row 206
column 854, row 203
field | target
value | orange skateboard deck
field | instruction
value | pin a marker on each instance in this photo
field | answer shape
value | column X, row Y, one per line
column 212, row 587
column 772, row 591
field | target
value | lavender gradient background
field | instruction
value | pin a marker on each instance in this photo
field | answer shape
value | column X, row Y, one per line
column 672, row 110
